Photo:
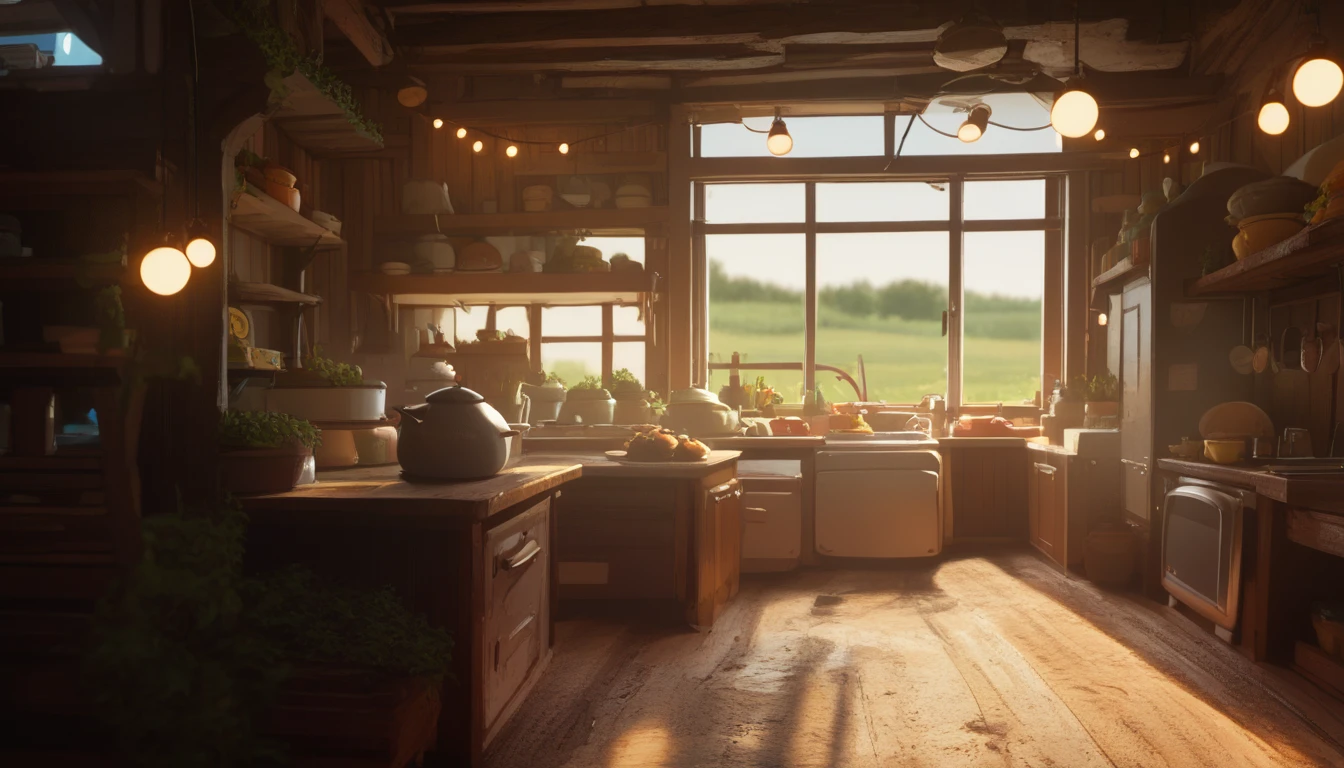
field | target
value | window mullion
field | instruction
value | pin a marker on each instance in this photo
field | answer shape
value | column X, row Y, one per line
column 810, row 292
column 955, row 294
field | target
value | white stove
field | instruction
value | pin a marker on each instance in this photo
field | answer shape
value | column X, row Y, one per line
column 879, row 496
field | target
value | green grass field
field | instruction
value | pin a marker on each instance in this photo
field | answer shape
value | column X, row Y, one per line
column 905, row 359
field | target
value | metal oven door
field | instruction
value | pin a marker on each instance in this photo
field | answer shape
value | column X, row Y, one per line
column 1201, row 550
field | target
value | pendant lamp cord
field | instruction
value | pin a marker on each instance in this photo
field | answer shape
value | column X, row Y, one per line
column 1077, row 33
column 193, row 148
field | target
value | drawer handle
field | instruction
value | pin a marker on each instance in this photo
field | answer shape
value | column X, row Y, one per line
column 1045, row 469
column 525, row 555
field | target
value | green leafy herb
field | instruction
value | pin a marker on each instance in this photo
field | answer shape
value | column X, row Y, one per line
column 587, row 384
column 257, row 21
column 553, row 378
column 623, row 382
column 336, row 374
column 242, row 430
column 1103, row 389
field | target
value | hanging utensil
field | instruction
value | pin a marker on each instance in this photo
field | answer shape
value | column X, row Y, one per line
column 1311, row 342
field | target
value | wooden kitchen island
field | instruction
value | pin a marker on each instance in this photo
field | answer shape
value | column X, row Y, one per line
column 474, row 557
column 667, row 533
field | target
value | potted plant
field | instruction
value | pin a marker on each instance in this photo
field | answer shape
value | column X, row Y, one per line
column 547, row 398
column 325, row 390
column 262, row 451
column 1070, row 408
column 634, row 404
column 588, row 403
column 1103, row 402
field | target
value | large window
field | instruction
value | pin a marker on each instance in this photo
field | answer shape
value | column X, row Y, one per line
column 913, row 294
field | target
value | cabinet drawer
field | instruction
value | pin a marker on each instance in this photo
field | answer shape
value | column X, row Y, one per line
column 517, row 601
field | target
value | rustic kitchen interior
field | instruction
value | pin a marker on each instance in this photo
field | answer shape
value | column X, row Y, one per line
column 598, row 383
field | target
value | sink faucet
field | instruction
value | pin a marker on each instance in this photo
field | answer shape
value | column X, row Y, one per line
column 1296, row 442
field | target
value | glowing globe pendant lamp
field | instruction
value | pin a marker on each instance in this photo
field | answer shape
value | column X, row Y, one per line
column 200, row 251
column 1075, row 111
column 1318, row 79
column 165, row 270
column 976, row 123
column 1273, row 118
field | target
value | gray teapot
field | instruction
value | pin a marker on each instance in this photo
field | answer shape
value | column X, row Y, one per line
column 453, row 435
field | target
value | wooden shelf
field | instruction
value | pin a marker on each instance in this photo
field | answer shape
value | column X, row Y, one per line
column 317, row 123
column 1316, row 251
column 58, row 367
column 588, row 163
column 509, row 288
column 265, row 293
column 257, row 212
column 1123, row 271
column 45, row 274
column 610, row 221
column 42, row 190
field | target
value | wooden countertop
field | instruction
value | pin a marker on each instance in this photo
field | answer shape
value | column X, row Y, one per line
column 381, row 496
column 1037, row 444
column 1312, row 491
column 981, row 442
column 598, row 465
column 783, row 442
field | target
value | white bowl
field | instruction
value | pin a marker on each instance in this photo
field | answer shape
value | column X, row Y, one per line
column 577, row 200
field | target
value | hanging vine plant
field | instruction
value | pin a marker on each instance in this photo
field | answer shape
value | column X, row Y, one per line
column 257, row 22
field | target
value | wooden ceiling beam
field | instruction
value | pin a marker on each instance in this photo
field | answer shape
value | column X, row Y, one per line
column 549, row 111
column 429, row 7
column 654, row 59
column 838, row 22
column 362, row 24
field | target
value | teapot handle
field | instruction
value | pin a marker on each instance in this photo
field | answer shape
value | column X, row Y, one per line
column 509, row 433
column 411, row 412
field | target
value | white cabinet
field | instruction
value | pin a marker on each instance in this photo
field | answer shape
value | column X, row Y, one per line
column 772, row 523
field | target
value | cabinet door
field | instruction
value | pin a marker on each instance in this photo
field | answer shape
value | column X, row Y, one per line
column 1045, row 502
column 517, row 603
column 1136, row 412
column 717, row 552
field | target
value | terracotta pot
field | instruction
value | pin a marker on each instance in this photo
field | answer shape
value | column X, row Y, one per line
column 261, row 470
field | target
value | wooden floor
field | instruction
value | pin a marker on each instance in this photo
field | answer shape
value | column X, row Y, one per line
column 978, row 661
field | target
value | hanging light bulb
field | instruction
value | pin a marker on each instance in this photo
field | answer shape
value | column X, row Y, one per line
column 1102, row 319
column 1318, row 80
column 1100, row 134
column 1194, row 147
column 511, row 151
column 1074, row 113
column 200, row 251
column 1273, row 118
column 461, row 133
column 478, row 146
column 564, row 148
column 976, row 123
column 165, row 270
column 778, row 141
column 438, row 123
column 1134, row 153
column 1166, row 158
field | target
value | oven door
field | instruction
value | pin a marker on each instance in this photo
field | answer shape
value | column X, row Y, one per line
column 1201, row 551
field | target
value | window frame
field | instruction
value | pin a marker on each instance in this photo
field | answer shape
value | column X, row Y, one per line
column 956, row 226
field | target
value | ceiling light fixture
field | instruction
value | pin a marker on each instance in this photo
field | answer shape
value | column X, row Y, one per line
column 165, row 270
column 1194, row 147
column 478, row 146
column 1273, row 118
column 1166, row 158
column 976, row 122
column 200, row 250
column 1099, row 134
column 1134, row 153
column 564, row 148
column 1318, row 79
column 1075, row 111
column 511, row 151
column 461, row 133
column 438, row 123
column 778, row 140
